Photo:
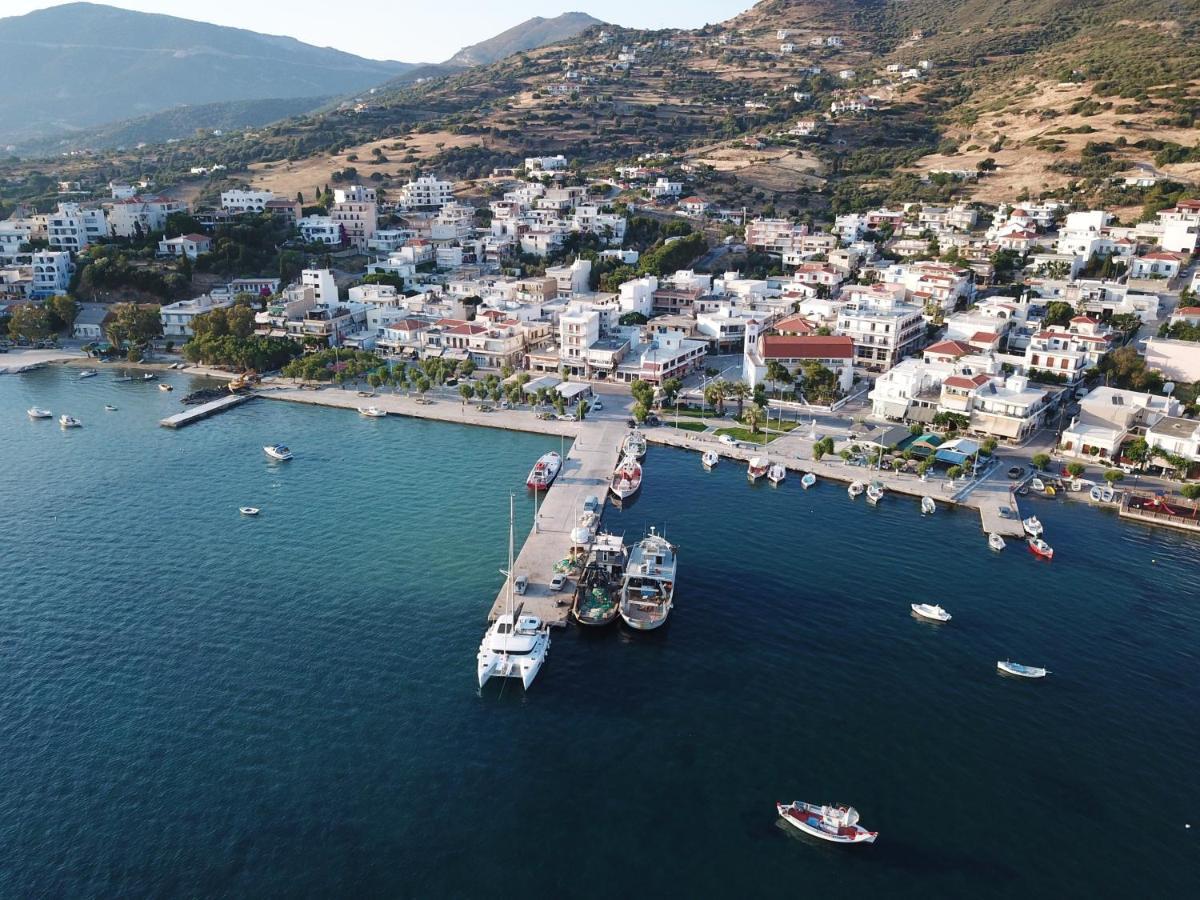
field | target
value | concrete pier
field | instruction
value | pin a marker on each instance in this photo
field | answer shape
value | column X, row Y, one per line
column 586, row 472
column 204, row 410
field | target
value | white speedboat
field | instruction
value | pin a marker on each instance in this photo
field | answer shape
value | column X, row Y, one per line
column 634, row 445
column 372, row 412
column 928, row 506
column 776, row 474
column 808, row 480
column 710, row 459
column 278, row 451
column 1107, row 494
column 248, row 510
column 88, row 373
column 544, row 471
column 165, row 387
column 626, row 479
column 514, row 646
column 1038, row 547
column 1037, row 484
column 838, row 824
column 36, row 412
column 856, row 488
column 757, row 468
column 108, row 407
column 69, row 421
column 1021, row 671
column 995, row 541
column 149, row 376
column 1032, row 526
column 874, row 492
column 931, row 611
column 648, row 590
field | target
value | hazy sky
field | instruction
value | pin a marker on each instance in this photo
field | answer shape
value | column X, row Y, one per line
column 412, row 30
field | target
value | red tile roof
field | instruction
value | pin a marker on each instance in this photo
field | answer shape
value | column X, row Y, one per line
column 967, row 382
column 1188, row 311
column 986, row 337
column 776, row 346
column 953, row 348
column 1087, row 319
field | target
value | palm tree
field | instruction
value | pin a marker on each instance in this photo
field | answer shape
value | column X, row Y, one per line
column 740, row 391
column 754, row 418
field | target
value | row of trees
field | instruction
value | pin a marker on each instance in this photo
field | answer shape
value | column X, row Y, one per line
column 34, row 322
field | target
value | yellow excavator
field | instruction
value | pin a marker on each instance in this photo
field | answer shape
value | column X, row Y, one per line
column 243, row 382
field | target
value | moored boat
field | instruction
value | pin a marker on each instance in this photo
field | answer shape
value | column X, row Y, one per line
column 165, row 387
column 372, row 412
column 278, row 451
column 776, row 474
column 995, row 541
column 928, row 506
column 931, row 611
column 597, row 589
column 1037, row 484
column 710, row 459
column 634, row 444
column 88, row 373
column 108, row 407
column 1095, row 493
column 874, row 492
column 544, row 471
column 248, row 510
column 36, row 412
column 626, row 479
column 837, row 824
column 1038, row 547
column 1021, row 671
column 1032, row 526
column 69, row 421
column 856, row 488
column 149, row 376
column 757, row 468
column 808, row 480
column 648, row 591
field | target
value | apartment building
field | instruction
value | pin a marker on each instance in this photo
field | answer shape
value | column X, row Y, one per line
column 355, row 209
column 73, row 228
column 426, row 192
column 133, row 216
column 177, row 317
column 883, row 330
column 244, row 200
column 51, row 273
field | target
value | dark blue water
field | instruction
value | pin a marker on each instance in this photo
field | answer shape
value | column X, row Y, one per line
column 197, row 704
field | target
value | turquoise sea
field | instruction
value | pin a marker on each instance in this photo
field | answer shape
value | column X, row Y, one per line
column 196, row 704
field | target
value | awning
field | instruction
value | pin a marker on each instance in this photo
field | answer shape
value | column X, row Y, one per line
column 892, row 409
column 572, row 389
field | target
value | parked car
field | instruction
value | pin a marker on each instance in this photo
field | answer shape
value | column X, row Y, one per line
column 565, row 417
column 485, row 408
column 728, row 440
column 520, row 583
column 1016, row 472
column 558, row 582
column 653, row 420
column 597, row 405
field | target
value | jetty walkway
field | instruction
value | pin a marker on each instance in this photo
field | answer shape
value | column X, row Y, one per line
column 204, row 410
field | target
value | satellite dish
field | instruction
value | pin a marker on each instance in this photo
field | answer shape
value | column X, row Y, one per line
column 1169, row 388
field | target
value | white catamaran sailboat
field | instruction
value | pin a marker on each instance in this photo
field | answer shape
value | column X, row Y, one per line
column 515, row 646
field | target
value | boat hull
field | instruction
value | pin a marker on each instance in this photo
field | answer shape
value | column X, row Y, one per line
column 649, row 624
column 804, row 822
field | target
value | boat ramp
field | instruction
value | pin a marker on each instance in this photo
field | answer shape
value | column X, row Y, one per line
column 204, row 410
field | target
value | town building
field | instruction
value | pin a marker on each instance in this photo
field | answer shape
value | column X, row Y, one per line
column 426, row 192
column 139, row 216
column 883, row 330
column 189, row 245
column 244, row 200
column 52, row 271
column 355, row 209
column 74, row 228
column 177, row 317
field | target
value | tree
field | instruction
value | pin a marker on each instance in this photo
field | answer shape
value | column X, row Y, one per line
column 1075, row 469
column 135, row 323
column 988, row 447
column 640, row 411
column 466, row 368
column 643, row 392
column 754, row 418
column 954, row 472
column 740, row 392
column 1137, row 451
column 670, row 389
column 633, row 318
column 63, row 310
column 422, row 385
column 1040, row 460
column 30, row 322
column 466, row 391
column 1191, row 491
column 1112, row 476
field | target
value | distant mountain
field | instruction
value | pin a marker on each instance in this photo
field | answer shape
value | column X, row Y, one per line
column 529, row 35
column 83, row 64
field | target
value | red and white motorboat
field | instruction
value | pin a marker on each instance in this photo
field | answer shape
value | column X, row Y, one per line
column 1038, row 547
column 544, row 471
column 758, row 468
column 626, row 479
column 838, row 824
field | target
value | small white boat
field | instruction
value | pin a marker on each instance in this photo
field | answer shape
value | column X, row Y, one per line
column 165, row 387
column 149, row 376
column 634, row 444
column 757, row 468
column 710, row 459
column 278, row 451
column 1032, row 526
column 776, row 474
column 626, row 479
column 108, row 407
column 372, row 412
column 808, row 480
column 995, row 541
column 1038, row 547
column 36, row 412
column 1096, row 493
column 1037, row 484
column 1107, row 494
column 874, row 492
column 1021, row 671
column 69, row 421
column 248, row 510
column 544, row 471
column 838, row 824
column 931, row 611
column 856, row 488
column 88, row 373
column 928, row 506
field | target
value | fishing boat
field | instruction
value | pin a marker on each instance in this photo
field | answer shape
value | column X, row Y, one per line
column 931, row 611
column 928, row 506
column 838, row 824
column 1032, row 526
column 544, row 471
column 372, row 412
column 626, row 479
column 36, row 412
column 808, row 480
column 248, row 510
column 856, row 488
column 1021, row 671
column 1037, row 484
column 278, row 451
column 874, row 492
column 1038, row 547
column 648, row 590
column 757, row 468
column 598, row 587
column 776, row 474
column 996, row 542
column 514, row 646
column 710, row 459
column 108, row 407
column 88, row 373
column 165, row 387
column 634, row 444
column 69, row 421
column 149, row 376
